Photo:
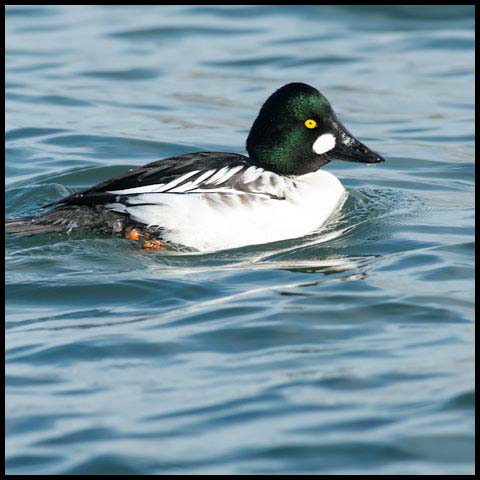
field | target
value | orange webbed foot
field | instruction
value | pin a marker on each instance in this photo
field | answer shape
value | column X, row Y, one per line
column 154, row 245
column 131, row 233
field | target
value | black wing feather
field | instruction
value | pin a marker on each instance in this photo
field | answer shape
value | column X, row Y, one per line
column 160, row 171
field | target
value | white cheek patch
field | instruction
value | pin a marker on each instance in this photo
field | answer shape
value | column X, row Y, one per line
column 324, row 143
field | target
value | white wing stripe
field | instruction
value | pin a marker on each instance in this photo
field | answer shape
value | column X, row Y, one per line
column 264, row 185
column 157, row 187
column 142, row 189
column 202, row 177
column 218, row 175
column 183, row 188
column 159, row 198
column 251, row 174
column 229, row 190
column 192, row 184
column 224, row 174
column 178, row 180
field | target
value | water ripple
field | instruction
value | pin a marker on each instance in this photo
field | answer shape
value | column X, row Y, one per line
column 347, row 351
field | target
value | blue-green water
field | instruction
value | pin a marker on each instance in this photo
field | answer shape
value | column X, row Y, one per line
column 348, row 351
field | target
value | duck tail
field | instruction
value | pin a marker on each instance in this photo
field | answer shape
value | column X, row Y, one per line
column 24, row 227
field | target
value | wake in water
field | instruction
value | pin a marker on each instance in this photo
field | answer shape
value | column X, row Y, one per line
column 351, row 222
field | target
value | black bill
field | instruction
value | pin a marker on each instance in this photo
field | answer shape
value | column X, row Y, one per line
column 350, row 149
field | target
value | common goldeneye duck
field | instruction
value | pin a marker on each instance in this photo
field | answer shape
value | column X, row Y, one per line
column 212, row 200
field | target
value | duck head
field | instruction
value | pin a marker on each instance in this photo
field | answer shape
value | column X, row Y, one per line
column 297, row 132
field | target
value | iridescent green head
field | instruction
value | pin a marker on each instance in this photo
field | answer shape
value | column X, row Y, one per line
column 297, row 132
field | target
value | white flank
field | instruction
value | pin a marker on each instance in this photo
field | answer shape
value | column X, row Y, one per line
column 217, row 220
column 324, row 143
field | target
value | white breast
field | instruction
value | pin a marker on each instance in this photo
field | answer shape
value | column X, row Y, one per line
column 216, row 221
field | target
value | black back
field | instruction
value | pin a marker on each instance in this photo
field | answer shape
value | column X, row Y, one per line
column 158, row 172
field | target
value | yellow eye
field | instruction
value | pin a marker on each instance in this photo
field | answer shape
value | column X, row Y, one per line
column 310, row 123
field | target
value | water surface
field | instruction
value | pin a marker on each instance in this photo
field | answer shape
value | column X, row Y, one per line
column 348, row 351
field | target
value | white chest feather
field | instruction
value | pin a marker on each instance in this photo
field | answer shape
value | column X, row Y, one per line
column 227, row 219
